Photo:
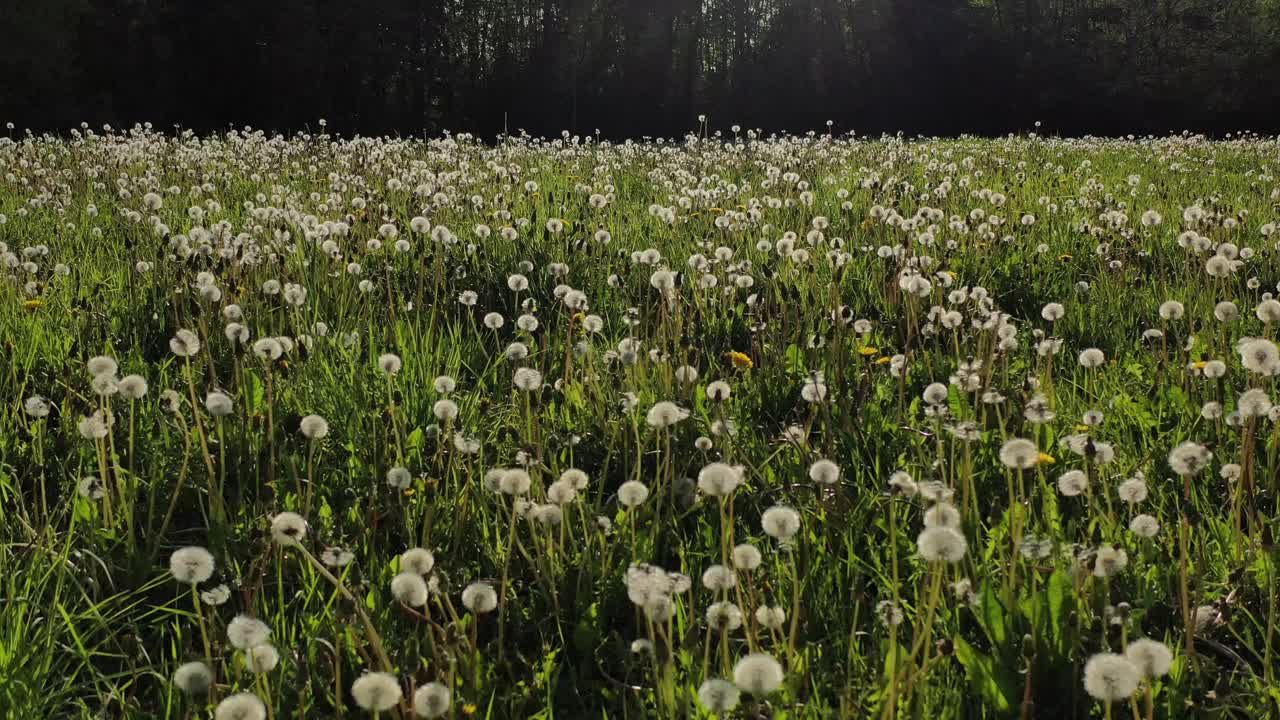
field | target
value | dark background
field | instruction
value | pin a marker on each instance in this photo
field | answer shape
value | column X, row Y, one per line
column 644, row 67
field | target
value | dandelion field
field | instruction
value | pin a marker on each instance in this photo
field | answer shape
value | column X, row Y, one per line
column 791, row 427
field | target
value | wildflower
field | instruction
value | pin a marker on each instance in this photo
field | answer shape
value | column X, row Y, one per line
column 665, row 414
column 410, row 589
column 399, row 477
column 245, row 632
column 1151, row 657
column 1133, row 490
column 746, row 557
column 780, row 522
column 432, row 700
column 218, row 404
column 479, row 598
column 417, row 560
column 942, row 514
column 1144, row 526
column 824, row 472
column 389, row 363
column 376, row 691
column 515, row 482
column 632, row 492
column 1189, row 458
column 724, row 616
column 889, row 613
column 527, row 379
column 719, row 479
column 941, row 544
column 241, row 706
column 216, row 596
column 261, row 659
column 101, row 365
column 719, row 578
column 184, row 343
column 288, row 529
column 718, row 696
column 1091, row 358
column 1108, row 561
column 1019, row 453
column 314, row 427
column 740, row 360
column 1072, row 483
column 1110, row 677
column 758, row 674
column 1259, row 355
column 37, row 407
column 193, row 678
column 191, row 565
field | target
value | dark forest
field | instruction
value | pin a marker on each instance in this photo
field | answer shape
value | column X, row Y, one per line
column 645, row 67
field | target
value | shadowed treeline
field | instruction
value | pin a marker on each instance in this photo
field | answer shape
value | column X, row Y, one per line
column 637, row 67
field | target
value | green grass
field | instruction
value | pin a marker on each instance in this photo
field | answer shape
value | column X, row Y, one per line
column 92, row 624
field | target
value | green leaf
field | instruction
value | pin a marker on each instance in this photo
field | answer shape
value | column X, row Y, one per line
column 1061, row 603
column 981, row 671
column 994, row 619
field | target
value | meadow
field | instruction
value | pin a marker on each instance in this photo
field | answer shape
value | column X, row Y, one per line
column 729, row 425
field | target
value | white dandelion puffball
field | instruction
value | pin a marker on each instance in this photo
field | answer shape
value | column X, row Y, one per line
column 376, row 691
column 133, row 387
column 1189, row 458
column 242, row 706
column 313, row 427
column 191, row 565
column 1019, row 453
column 193, row 678
column 1110, row 677
column 665, row 414
column 747, row 557
column 824, row 472
column 101, row 365
column 1091, row 358
column 409, row 589
column 780, row 522
column 432, row 700
column 1152, row 658
column 389, row 363
column 1073, row 483
column 527, row 379
column 718, row 696
column 941, row 543
column 1260, row 356
column 445, row 410
column 288, row 528
column 261, row 659
column 245, row 632
column 632, row 492
column 479, row 598
column 218, row 404
column 399, row 477
column 184, row 343
column 417, row 560
column 719, row 479
column 758, row 674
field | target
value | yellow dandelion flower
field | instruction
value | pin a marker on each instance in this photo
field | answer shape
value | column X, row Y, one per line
column 1064, row 256
column 868, row 351
column 37, row 303
column 740, row 360
column 1047, row 459
column 716, row 210
column 884, row 360
column 1082, row 428
column 469, row 709
column 1199, row 365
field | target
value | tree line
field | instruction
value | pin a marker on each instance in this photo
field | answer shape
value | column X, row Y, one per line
column 644, row 67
